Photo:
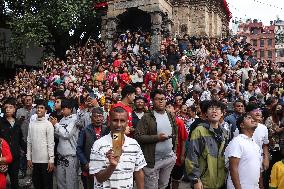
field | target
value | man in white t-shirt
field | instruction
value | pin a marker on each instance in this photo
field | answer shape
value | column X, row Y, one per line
column 117, row 171
column 244, row 156
column 260, row 136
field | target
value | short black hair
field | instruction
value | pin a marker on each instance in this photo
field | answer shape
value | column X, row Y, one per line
column 203, row 105
column 128, row 89
column 97, row 110
column 238, row 101
column 251, row 106
column 117, row 109
column 240, row 120
column 66, row 103
column 41, row 102
column 11, row 101
column 155, row 92
column 216, row 103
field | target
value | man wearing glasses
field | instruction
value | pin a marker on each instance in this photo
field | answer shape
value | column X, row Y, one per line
column 156, row 133
column 205, row 163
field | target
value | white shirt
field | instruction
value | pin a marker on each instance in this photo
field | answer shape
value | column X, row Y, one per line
column 249, row 153
column 40, row 141
column 260, row 135
column 132, row 159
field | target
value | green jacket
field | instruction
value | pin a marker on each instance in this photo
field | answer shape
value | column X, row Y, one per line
column 147, row 137
column 205, row 159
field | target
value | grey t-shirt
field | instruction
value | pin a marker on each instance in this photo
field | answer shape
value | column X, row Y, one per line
column 163, row 149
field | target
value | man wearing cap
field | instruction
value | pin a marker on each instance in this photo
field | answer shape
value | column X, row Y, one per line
column 260, row 135
column 243, row 156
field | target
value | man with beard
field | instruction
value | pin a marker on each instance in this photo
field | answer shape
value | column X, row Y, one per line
column 139, row 110
column 244, row 156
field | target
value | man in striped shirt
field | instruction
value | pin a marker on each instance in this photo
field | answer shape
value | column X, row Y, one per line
column 112, row 171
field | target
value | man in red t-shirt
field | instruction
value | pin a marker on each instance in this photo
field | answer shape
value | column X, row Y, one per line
column 127, row 98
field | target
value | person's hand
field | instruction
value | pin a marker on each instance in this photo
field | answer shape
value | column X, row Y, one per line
column 127, row 130
column 198, row 185
column 50, row 167
column 30, row 164
column 163, row 137
column 182, row 158
column 53, row 120
column 86, row 167
column 265, row 163
column 112, row 159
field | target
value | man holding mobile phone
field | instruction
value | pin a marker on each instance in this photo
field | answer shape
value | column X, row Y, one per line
column 112, row 171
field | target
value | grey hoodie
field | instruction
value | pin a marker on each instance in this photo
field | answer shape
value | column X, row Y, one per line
column 67, row 132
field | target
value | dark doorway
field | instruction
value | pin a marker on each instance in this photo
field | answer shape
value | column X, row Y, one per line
column 134, row 19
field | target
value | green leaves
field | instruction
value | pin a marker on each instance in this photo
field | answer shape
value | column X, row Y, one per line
column 43, row 21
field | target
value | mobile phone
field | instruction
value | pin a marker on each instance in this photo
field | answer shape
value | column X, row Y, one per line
column 117, row 139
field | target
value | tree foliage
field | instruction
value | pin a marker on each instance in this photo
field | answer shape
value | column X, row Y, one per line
column 48, row 22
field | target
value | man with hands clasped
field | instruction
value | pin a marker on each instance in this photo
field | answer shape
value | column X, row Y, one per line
column 40, row 148
column 112, row 171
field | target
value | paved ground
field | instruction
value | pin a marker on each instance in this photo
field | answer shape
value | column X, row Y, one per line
column 27, row 179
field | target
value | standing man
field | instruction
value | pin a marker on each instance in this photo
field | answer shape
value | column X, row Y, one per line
column 127, row 99
column 239, row 110
column 24, row 115
column 117, row 171
column 260, row 136
column 67, row 133
column 138, row 113
column 205, row 163
column 156, row 132
column 87, row 137
column 244, row 156
column 85, row 114
column 40, row 148
column 11, row 132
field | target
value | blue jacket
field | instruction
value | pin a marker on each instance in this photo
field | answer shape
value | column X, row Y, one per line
column 87, row 137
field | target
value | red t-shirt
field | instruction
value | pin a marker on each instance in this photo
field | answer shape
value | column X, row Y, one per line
column 127, row 109
column 7, row 154
column 182, row 136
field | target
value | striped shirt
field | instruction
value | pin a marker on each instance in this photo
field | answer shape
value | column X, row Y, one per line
column 132, row 159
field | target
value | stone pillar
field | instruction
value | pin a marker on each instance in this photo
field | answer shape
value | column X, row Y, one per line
column 156, row 22
column 111, row 31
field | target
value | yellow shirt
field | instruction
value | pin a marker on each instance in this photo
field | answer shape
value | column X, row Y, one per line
column 277, row 176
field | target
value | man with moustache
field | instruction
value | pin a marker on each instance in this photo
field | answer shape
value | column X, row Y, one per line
column 112, row 171
column 244, row 156
column 138, row 113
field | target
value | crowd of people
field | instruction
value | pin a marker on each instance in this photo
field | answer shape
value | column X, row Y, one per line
column 201, row 110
